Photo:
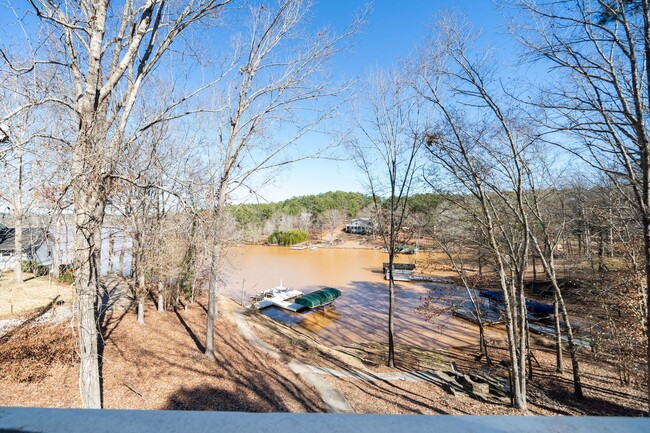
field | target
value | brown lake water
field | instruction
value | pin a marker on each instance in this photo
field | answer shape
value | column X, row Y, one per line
column 360, row 314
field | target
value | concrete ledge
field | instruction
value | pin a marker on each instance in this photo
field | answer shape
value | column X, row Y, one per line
column 33, row 420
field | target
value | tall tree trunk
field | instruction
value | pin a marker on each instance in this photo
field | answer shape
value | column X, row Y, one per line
column 391, row 307
column 111, row 252
column 559, row 363
column 141, row 285
column 573, row 349
column 120, row 261
column 523, row 348
column 18, row 247
column 214, row 269
column 56, row 249
column 548, row 263
column 646, row 242
column 89, row 206
column 161, row 297
column 212, row 300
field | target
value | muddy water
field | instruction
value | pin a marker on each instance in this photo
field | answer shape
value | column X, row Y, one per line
column 360, row 314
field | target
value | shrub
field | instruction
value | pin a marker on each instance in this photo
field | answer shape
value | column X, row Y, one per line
column 28, row 265
column 65, row 274
column 288, row 237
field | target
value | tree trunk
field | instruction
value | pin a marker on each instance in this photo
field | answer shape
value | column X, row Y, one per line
column 391, row 281
column 120, row 262
column 161, row 297
column 573, row 350
column 142, row 292
column 523, row 347
column 559, row 363
column 18, row 248
column 646, row 242
column 391, row 307
column 212, row 300
column 56, row 250
column 89, row 206
column 141, row 300
column 214, row 267
column 111, row 252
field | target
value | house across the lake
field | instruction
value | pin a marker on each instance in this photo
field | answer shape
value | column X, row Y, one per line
column 359, row 226
column 35, row 247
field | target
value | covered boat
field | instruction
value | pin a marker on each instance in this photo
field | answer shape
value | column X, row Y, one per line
column 536, row 308
column 319, row 298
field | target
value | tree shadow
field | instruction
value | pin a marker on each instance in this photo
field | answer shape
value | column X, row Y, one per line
column 190, row 332
column 211, row 398
column 113, row 296
column 590, row 404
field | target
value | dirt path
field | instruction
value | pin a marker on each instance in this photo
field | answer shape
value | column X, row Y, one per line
column 332, row 398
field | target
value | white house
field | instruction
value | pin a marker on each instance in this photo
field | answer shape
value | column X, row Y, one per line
column 35, row 246
column 359, row 226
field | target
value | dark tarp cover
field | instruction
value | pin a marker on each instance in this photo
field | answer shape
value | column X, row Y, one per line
column 319, row 297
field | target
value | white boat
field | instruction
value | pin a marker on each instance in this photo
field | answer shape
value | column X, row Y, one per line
column 281, row 292
column 277, row 296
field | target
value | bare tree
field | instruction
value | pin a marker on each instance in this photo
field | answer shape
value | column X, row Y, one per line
column 106, row 52
column 600, row 54
column 330, row 220
column 387, row 154
column 279, row 67
column 481, row 148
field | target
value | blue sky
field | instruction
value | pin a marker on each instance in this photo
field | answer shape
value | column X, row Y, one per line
column 394, row 29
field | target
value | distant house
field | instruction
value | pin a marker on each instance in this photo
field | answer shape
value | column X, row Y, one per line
column 359, row 226
column 35, row 246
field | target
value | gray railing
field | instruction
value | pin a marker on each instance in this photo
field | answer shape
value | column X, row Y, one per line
column 33, row 420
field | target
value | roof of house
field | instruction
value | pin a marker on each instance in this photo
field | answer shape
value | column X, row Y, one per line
column 360, row 221
column 32, row 237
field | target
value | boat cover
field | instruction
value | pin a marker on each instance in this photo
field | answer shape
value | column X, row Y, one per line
column 319, row 297
column 533, row 307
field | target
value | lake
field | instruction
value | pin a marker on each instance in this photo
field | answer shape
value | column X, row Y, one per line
column 360, row 314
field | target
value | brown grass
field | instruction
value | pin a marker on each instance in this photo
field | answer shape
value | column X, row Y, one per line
column 35, row 292
column 158, row 365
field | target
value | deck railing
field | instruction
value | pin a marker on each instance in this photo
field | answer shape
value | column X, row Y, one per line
column 32, row 420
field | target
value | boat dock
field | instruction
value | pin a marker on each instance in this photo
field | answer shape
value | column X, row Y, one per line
column 278, row 302
column 278, row 297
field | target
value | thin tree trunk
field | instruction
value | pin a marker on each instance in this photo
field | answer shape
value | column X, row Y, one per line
column 212, row 302
column 549, row 267
column 142, row 292
column 523, row 349
column 529, row 353
column 111, row 252
column 161, row 297
column 646, row 242
column 18, row 247
column 18, row 218
column 559, row 363
column 120, row 262
column 573, row 350
column 56, row 250
column 391, row 307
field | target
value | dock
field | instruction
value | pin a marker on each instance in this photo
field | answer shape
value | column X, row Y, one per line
column 278, row 297
column 278, row 302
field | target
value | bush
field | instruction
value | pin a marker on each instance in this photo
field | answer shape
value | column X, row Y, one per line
column 65, row 274
column 288, row 237
column 28, row 265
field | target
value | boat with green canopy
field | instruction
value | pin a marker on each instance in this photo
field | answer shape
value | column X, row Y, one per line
column 319, row 298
